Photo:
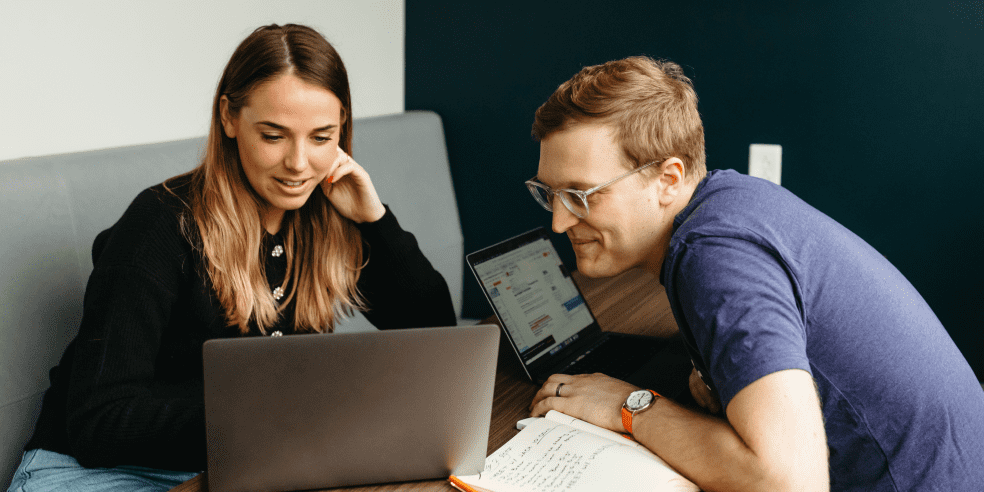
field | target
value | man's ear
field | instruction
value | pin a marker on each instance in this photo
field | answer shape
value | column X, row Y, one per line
column 672, row 180
column 228, row 124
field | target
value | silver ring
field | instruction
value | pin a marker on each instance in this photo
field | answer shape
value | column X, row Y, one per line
column 558, row 389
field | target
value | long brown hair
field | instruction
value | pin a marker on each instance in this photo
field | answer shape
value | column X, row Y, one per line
column 323, row 248
column 650, row 103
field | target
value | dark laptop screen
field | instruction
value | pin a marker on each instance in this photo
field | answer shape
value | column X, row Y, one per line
column 532, row 293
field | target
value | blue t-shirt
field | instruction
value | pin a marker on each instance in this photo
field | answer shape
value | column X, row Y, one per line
column 760, row 282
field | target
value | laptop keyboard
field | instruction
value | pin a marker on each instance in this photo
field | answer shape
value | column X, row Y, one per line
column 617, row 357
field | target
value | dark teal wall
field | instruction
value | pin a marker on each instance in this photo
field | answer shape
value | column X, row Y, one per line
column 879, row 109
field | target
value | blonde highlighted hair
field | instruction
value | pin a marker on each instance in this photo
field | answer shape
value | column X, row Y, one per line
column 323, row 248
column 650, row 104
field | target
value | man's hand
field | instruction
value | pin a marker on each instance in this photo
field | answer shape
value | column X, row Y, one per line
column 593, row 398
column 702, row 394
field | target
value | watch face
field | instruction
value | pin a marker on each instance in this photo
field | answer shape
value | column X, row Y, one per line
column 638, row 399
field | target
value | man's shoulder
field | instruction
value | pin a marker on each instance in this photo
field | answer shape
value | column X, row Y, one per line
column 733, row 205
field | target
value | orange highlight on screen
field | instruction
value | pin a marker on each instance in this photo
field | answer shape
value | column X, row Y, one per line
column 539, row 322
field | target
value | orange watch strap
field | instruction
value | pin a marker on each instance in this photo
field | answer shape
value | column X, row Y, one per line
column 627, row 420
column 627, row 415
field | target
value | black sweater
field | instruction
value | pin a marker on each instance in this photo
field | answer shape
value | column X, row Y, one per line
column 128, row 389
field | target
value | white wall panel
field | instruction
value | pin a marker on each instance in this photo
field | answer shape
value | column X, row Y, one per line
column 82, row 75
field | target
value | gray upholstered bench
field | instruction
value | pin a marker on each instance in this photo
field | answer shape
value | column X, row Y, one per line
column 53, row 207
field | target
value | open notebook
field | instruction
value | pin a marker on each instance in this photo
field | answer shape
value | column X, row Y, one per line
column 562, row 453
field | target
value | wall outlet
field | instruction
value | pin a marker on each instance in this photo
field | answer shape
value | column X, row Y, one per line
column 765, row 161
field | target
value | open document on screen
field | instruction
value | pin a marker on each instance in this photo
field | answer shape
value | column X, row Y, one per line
column 535, row 297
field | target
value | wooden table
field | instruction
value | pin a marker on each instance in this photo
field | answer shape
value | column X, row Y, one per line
column 633, row 302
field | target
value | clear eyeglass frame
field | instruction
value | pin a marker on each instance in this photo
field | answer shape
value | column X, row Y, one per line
column 578, row 206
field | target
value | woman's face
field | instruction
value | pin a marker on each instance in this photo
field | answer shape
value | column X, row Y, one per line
column 287, row 135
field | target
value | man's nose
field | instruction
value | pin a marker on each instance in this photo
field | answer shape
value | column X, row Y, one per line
column 563, row 219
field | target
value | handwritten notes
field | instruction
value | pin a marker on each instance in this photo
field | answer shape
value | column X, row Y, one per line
column 551, row 456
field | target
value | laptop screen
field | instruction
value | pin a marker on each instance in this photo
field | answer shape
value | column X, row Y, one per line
column 533, row 294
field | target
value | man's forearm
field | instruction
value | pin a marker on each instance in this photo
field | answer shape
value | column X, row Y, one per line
column 706, row 449
column 773, row 438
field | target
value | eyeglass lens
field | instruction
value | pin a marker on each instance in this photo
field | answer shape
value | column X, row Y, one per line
column 571, row 201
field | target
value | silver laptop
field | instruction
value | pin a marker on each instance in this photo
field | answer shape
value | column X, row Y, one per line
column 317, row 411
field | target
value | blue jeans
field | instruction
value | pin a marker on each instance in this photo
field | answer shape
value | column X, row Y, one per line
column 44, row 471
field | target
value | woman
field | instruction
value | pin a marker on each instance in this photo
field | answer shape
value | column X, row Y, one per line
column 277, row 231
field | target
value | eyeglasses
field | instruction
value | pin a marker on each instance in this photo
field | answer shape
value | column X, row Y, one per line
column 575, row 200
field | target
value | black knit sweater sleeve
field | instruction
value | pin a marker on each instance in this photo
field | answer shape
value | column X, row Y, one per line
column 401, row 287
column 120, row 408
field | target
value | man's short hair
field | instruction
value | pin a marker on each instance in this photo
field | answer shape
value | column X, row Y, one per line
column 650, row 104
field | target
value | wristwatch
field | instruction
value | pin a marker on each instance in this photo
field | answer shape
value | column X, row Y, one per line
column 635, row 403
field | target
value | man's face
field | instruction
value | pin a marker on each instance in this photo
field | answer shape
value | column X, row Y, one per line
column 625, row 224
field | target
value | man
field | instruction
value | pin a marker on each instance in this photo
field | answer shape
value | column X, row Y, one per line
column 829, row 369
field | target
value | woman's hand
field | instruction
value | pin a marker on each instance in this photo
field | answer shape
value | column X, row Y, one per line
column 350, row 190
column 593, row 398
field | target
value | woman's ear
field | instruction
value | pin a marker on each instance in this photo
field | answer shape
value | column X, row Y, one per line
column 228, row 123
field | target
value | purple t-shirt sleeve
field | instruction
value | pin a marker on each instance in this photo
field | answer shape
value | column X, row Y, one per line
column 741, row 304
